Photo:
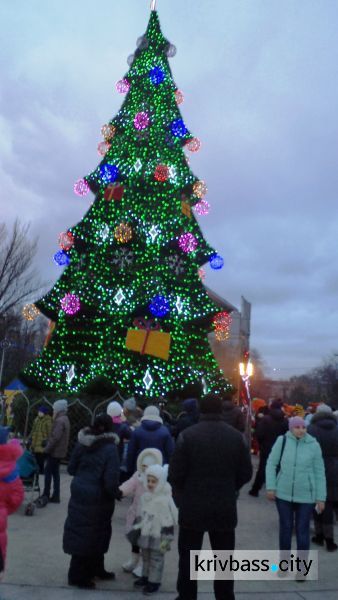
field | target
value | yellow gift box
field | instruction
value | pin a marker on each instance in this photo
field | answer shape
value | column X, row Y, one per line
column 186, row 209
column 156, row 343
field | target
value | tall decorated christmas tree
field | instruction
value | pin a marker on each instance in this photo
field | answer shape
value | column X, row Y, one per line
column 130, row 307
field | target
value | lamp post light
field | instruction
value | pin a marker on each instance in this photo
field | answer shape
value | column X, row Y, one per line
column 246, row 371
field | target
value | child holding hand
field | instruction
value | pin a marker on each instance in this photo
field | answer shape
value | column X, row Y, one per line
column 155, row 526
column 135, row 487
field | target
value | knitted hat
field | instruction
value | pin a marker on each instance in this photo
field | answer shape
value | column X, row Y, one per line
column 4, row 432
column 190, row 405
column 114, row 409
column 43, row 409
column 324, row 408
column 211, row 404
column 298, row 410
column 296, row 422
column 129, row 404
column 60, row 406
column 276, row 404
column 151, row 413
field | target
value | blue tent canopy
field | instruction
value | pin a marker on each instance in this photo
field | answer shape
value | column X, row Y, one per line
column 16, row 384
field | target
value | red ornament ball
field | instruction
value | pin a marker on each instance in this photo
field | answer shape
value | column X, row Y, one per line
column 66, row 240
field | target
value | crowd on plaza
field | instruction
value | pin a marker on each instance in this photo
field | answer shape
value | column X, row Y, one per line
column 186, row 471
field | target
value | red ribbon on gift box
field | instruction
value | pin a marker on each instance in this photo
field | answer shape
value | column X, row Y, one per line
column 149, row 325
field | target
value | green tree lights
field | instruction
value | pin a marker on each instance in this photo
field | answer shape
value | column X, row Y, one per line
column 130, row 307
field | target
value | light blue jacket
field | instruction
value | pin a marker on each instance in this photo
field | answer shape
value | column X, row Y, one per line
column 302, row 474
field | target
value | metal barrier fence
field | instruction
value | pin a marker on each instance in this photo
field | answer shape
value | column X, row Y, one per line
column 22, row 412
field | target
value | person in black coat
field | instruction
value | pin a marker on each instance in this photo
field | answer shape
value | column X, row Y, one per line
column 210, row 463
column 189, row 417
column 268, row 429
column 232, row 414
column 324, row 428
column 94, row 464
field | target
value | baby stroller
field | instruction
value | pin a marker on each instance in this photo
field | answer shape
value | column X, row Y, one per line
column 29, row 475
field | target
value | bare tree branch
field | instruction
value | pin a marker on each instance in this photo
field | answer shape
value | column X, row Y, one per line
column 18, row 277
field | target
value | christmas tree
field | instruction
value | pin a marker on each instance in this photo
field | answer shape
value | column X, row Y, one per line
column 130, row 308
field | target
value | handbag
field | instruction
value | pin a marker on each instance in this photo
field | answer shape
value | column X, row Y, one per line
column 281, row 455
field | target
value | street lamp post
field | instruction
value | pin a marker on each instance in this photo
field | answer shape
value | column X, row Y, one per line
column 246, row 371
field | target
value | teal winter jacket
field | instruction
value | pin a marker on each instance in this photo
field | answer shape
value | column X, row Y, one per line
column 301, row 477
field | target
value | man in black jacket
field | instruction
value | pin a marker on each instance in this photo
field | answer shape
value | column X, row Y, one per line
column 232, row 414
column 268, row 429
column 210, row 464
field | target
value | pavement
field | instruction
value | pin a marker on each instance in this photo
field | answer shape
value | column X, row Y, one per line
column 37, row 567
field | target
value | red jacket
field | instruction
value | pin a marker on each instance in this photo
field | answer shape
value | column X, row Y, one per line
column 11, row 492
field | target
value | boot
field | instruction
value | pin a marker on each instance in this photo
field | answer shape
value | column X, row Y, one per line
column 151, row 588
column 318, row 539
column 138, row 570
column 141, row 582
column 330, row 545
column 54, row 499
column 131, row 564
column 42, row 501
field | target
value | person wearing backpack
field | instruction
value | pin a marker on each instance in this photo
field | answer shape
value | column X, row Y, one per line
column 295, row 478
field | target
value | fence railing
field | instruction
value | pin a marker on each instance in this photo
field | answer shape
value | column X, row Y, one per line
column 21, row 412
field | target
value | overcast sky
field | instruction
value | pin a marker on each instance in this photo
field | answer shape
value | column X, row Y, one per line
column 261, row 92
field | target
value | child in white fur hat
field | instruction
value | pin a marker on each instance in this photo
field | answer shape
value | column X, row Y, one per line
column 155, row 525
column 135, row 487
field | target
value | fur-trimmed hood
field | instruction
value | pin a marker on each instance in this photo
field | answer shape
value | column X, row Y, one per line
column 9, row 454
column 324, row 420
column 155, row 454
column 88, row 439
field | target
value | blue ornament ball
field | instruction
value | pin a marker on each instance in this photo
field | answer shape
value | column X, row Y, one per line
column 61, row 258
column 178, row 128
column 216, row 261
column 109, row 173
column 156, row 75
column 159, row 306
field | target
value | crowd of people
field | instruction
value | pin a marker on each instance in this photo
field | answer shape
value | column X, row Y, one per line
column 186, row 471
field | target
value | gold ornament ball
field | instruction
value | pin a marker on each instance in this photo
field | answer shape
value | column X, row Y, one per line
column 108, row 132
column 200, row 189
column 221, row 335
column 123, row 233
column 30, row 312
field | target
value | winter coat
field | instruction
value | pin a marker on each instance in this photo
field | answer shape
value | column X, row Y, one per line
column 188, row 418
column 324, row 428
column 41, row 431
column 58, row 440
column 123, row 432
column 94, row 463
column 136, row 486
column 233, row 415
column 301, row 477
column 158, row 515
column 269, row 428
column 11, row 491
column 150, row 434
column 210, row 464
